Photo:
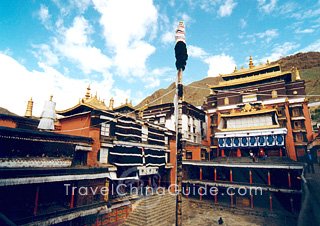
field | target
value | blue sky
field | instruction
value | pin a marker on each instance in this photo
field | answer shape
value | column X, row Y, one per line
column 124, row 48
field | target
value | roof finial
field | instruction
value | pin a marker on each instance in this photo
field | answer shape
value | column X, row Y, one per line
column 268, row 62
column 51, row 97
column 88, row 94
column 29, row 108
column 297, row 74
column 251, row 65
column 235, row 69
column 126, row 101
column 111, row 102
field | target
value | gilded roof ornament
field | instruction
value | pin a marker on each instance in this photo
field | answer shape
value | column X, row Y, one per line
column 29, row 108
column 88, row 93
column 251, row 65
column 297, row 74
column 235, row 69
column 111, row 103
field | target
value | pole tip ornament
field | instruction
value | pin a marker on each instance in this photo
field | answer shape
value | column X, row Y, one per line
column 180, row 47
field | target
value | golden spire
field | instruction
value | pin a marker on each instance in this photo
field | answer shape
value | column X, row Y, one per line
column 51, row 97
column 111, row 102
column 88, row 94
column 297, row 74
column 268, row 62
column 235, row 69
column 29, row 108
column 126, row 101
column 251, row 65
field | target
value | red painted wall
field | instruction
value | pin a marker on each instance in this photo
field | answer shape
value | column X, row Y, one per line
column 8, row 123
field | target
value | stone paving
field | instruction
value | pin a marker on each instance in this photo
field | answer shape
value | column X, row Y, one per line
column 205, row 215
column 309, row 215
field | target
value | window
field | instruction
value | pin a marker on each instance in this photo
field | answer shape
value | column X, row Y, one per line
column 282, row 123
column 299, row 137
column 281, row 111
column 189, row 155
column 296, row 112
column 274, row 94
column 162, row 120
column 203, row 154
column 226, row 101
column 103, row 158
column 298, row 125
column 105, row 129
column 144, row 133
column 80, row 158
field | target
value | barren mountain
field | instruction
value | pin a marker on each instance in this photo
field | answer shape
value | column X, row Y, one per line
column 196, row 92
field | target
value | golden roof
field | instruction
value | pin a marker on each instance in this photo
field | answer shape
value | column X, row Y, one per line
column 254, row 78
column 251, row 69
column 89, row 101
column 128, row 104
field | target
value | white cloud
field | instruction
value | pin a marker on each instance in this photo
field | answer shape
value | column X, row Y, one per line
column 23, row 84
column 168, row 37
column 267, row 6
column 266, row 36
column 44, row 14
column 304, row 31
column 313, row 47
column 159, row 74
column 120, row 96
column 44, row 54
column 227, row 8
column 243, row 23
column 307, row 14
column 287, row 8
column 197, row 52
column 75, row 45
column 280, row 50
column 125, row 31
column 220, row 64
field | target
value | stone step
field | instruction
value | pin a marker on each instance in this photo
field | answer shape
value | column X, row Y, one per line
column 155, row 210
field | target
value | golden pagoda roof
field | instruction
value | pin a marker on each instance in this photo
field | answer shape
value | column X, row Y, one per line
column 89, row 101
column 253, row 78
column 251, row 69
column 126, row 104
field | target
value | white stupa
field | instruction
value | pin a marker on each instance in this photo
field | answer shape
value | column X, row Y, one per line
column 48, row 115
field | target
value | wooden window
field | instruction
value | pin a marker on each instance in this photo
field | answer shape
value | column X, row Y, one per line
column 296, row 112
column 189, row 155
column 203, row 154
column 299, row 137
column 103, row 156
column 105, row 129
column 283, row 123
column 162, row 120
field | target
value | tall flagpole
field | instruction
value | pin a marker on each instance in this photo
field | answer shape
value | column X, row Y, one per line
column 181, row 58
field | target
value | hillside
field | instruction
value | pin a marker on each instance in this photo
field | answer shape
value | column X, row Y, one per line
column 196, row 92
column 5, row 111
